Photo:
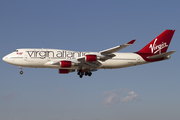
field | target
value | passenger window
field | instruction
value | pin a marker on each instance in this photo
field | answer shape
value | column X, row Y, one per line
column 15, row 50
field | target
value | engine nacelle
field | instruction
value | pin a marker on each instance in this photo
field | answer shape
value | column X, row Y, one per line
column 65, row 64
column 66, row 71
column 91, row 58
column 63, row 71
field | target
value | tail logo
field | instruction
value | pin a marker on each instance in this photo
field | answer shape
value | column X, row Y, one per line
column 157, row 48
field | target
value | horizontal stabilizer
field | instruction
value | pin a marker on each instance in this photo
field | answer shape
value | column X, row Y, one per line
column 163, row 55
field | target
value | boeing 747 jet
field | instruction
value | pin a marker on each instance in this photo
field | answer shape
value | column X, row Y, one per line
column 85, row 62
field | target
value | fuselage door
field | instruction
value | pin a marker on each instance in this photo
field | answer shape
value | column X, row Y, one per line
column 25, row 56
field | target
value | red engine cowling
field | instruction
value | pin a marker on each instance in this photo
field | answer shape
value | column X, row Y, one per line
column 91, row 58
column 63, row 71
column 65, row 64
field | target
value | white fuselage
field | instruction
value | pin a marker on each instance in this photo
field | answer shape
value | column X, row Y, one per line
column 42, row 58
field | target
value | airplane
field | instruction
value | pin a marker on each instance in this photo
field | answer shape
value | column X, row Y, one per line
column 87, row 62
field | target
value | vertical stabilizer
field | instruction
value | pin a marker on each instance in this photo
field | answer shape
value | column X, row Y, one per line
column 160, row 44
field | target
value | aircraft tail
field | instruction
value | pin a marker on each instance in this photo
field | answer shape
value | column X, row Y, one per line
column 160, row 44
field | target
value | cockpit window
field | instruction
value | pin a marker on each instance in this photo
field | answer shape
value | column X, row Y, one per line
column 15, row 50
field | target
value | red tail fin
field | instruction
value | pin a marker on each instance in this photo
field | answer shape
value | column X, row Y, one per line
column 160, row 44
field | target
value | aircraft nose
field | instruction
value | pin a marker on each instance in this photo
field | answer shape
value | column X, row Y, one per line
column 4, row 58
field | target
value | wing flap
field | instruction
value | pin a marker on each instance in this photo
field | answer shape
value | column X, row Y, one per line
column 92, row 64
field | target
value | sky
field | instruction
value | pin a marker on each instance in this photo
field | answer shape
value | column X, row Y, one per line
column 147, row 92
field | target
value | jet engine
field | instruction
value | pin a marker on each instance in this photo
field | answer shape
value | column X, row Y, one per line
column 91, row 58
column 66, row 71
column 63, row 71
column 65, row 64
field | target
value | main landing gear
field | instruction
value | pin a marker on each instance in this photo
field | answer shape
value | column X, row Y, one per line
column 21, row 72
column 82, row 72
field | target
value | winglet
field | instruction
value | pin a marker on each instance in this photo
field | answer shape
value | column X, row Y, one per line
column 131, row 42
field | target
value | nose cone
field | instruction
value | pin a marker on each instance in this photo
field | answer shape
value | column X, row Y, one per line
column 9, row 58
column 4, row 58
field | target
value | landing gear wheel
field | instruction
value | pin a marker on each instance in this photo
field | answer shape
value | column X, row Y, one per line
column 80, row 76
column 82, row 72
column 86, row 73
column 90, row 73
column 21, row 72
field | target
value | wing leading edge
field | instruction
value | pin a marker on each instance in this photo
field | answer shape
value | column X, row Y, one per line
column 117, row 48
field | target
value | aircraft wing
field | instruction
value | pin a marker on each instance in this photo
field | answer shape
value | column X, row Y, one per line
column 102, row 55
column 79, row 62
column 99, row 56
column 117, row 48
column 91, row 65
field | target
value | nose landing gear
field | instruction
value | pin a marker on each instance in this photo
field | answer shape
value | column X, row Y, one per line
column 21, row 72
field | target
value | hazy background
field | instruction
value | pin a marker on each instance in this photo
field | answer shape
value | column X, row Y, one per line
column 146, row 92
